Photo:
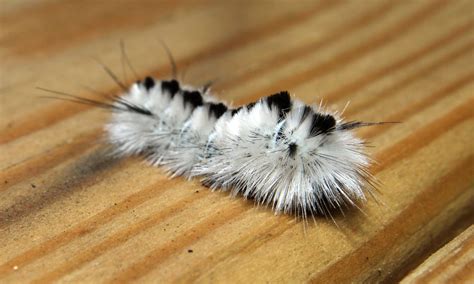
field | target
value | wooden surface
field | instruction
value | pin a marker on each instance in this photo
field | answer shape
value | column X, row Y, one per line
column 452, row 263
column 70, row 213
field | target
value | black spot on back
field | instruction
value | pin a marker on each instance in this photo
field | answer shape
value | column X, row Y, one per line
column 322, row 123
column 235, row 110
column 193, row 98
column 250, row 106
column 172, row 87
column 217, row 109
column 292, row 149
column 280, row 101
column 149, row 83
column 307, row 111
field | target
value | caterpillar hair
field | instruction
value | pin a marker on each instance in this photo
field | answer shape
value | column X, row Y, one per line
column 296, row 158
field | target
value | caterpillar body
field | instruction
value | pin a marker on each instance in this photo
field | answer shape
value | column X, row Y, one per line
column 296, row 158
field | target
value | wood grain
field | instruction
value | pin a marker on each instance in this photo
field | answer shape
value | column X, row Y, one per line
column 454, row 262
column 69, row 212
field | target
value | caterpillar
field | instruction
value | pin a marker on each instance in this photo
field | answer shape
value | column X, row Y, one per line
column 298, row 159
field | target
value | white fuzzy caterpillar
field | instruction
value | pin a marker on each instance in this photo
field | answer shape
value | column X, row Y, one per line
column 299, row 159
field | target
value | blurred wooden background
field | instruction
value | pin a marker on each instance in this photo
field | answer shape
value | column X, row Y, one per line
column 70, row 213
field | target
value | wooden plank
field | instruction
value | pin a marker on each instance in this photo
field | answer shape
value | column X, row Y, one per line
column 69, row 212
column 453, row 263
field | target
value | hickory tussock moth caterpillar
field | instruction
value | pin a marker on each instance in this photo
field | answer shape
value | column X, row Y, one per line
column 296, row 158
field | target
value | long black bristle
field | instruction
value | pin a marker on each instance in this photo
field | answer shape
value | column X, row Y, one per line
column 110, row 106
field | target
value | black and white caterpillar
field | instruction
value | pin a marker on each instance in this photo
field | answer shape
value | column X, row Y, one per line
column 298, row 159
